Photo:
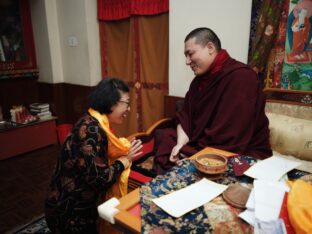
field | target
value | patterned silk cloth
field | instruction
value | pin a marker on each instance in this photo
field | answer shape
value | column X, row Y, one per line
column 215, row 216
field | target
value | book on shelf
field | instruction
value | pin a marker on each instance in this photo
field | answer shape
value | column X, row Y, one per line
column 35, row 111
column 44, row 113
column 45, row 117
column 39, row 106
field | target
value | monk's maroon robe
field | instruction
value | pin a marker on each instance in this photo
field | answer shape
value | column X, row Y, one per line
column 224, row 110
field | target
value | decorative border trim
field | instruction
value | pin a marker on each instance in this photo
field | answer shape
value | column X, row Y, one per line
column 289, row 96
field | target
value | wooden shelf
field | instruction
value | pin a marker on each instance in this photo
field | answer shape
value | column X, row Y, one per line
column 27, row 137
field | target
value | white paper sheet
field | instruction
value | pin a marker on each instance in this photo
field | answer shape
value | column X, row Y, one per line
column 248, row 215
column 193, row 196
column 271, row 169
column 250, row 204
column 268, row 199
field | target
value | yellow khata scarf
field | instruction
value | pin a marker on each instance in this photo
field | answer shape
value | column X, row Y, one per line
column 299, row 206
column 117, row 147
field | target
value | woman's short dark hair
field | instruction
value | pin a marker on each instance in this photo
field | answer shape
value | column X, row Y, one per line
column 106, row 94
column 203, row 36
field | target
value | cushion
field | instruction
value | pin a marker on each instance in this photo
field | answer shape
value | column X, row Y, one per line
column 291, row 136
column 297, row 111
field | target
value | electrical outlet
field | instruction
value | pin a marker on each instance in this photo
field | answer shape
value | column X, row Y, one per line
column 72, row 41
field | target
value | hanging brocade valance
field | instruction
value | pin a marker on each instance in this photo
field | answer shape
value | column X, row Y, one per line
column 121, row 9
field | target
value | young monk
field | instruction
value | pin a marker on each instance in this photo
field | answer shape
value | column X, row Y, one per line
column 223, row 108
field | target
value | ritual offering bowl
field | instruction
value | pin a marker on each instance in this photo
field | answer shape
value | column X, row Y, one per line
column 211, row 163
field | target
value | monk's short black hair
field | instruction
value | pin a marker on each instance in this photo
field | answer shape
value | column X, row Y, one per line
column 203, row 36
column 106, row 94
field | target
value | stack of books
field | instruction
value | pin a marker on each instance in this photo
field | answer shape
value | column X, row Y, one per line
column 42, row 110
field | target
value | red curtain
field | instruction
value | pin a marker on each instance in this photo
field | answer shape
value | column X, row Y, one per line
column 121, row 9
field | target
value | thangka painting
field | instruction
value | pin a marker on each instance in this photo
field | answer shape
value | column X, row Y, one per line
column 297, row 69
column 17, row 50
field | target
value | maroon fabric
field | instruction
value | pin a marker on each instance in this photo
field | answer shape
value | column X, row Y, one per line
column 216, row 66
column 227, row 113
column 121, row 9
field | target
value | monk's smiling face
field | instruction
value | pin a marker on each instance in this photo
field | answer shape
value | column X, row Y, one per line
column 199, row 57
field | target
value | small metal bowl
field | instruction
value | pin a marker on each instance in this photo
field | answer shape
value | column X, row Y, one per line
column 211, row 163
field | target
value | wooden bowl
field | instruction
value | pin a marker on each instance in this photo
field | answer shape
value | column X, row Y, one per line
column 211, row 163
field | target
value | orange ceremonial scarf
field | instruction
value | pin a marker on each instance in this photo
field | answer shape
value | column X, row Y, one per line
column 299, row 205
column 117, row 147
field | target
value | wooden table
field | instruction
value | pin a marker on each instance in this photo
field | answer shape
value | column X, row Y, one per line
column 126, row 220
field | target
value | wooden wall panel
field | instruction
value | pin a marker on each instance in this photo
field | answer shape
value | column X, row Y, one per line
column 17, row 91
column 76, row 97
column 67, row 101
column 171, row 103
column 54, row 95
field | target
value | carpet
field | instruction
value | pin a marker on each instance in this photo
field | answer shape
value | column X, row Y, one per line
column 38, row 225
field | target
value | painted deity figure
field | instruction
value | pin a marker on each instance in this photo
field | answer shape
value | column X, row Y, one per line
column 299, row 32
column 301, row 29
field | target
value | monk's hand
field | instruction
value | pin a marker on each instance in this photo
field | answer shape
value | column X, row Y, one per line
column 135, row 149
column 174, row 156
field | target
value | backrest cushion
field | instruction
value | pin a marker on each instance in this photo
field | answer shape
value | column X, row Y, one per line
column 292, row 110
column 291, row 136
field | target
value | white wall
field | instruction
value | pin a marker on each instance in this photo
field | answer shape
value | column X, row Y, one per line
column 54, row 22
column 229, row 19
column 46, row 39
column 93, row 41
column 55, row 44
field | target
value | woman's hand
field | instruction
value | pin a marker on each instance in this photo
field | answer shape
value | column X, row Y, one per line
column 136, row 146
column 174, row 156
column 135, row 149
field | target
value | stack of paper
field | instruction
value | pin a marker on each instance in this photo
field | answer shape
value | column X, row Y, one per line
column 266, row 198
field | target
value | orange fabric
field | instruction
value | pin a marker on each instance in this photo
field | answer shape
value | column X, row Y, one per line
column 154, row 53
column 139, row 45
column 299, row 206
column 117, row 147
column 117, row 53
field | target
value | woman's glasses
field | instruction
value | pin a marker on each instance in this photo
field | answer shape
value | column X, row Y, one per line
column 127, row 103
